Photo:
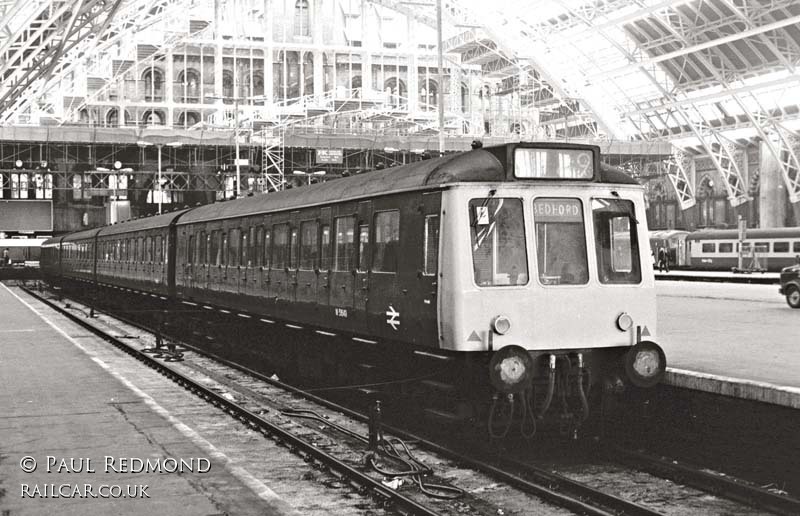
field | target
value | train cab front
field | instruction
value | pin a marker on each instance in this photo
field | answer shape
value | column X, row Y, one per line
column 559, row 294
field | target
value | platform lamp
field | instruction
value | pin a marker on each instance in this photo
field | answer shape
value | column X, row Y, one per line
column 145, row 144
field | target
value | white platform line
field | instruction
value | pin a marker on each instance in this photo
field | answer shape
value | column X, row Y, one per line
column 258, row 487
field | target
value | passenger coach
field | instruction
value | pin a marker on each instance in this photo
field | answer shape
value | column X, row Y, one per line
column 533, row 259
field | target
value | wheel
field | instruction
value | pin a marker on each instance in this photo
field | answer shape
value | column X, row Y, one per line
column 793, row 296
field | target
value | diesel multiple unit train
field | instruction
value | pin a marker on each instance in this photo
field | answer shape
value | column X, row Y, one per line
column 719, row 249
column 521, row 272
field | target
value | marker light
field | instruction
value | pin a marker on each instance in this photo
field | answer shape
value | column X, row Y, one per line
column 645, row 364
column 501, row 324
column 624, row 321
column 511, row 369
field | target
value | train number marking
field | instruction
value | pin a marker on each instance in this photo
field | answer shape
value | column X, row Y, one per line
column 393, row 318
column 340, row 312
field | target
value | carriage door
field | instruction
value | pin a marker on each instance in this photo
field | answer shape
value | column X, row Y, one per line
column 424, row 296
column 361, row 290
column 325, row 258
column 344, row 234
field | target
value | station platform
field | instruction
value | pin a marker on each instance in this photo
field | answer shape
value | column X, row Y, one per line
column 77, row 439
column 739, row 340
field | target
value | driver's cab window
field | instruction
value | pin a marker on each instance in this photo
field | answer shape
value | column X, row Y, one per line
column 560, row 241
column 499, row 255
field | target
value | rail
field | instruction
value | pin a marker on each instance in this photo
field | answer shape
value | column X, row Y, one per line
column 298, row 445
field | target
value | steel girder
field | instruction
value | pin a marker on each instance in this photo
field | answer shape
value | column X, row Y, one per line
column 719, row 150
column 676, row 167
column 508, row 55
column 508, row 58
column 130, row 17
column 36, row 51
column 759, row 120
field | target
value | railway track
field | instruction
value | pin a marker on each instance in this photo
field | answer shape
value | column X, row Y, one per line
column 540, row 482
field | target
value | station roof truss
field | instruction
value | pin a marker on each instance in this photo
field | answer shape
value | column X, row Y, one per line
column 709, row 76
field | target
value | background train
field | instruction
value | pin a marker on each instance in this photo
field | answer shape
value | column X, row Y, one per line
column 23, row 251
column 718, row 249
column 521, row 271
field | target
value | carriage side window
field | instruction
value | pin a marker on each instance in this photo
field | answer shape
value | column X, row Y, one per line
column 223, row 252
column 258, row 247
column 294, row 249
column 308, row 245
column 431, row 250
column 234, row 243
column 251, row 246
column 325, row 255
column 201, row 248
column 726, row 247
column 796, row 247
column 762, row 247
column 709, row 247
column 148, row 250
column 139, row 250
column 159, row 252
column 344, row 251
column 214, row 241
column 190, row 250
column 780, row 247
column 363, row 245
column 387, row 241
column 499, row 255
column 560, row 241
column 267, row 249
column 280, row 251
column 617, row 245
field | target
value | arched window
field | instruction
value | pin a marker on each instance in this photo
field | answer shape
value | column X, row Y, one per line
column 308, row 74
column 428, row 94
column 705, row 194
column 190, row 85
column 112, row 117
column 188, row 118
column 19, row 185
column 464, row 98
column 83, row 116
column 293, row 75
column 153, row 81
column 396, row 92
column 227, row 84
column 153, row 117
column 258, row 85
column 277, row 72
column 301, row 18
column 44, row 185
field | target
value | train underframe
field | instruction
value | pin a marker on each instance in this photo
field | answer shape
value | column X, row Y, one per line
column 561, row 392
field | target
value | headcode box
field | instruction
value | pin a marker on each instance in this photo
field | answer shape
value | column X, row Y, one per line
column 329, row 156
column 32, row 215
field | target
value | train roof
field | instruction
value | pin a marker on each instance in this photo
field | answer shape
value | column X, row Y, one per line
column 489, row 164
column 733, row 234
column 154, row 222
column 473, row 166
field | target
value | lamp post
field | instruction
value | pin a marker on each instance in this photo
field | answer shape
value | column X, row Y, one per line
column 235, row 136
column 144, row 144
